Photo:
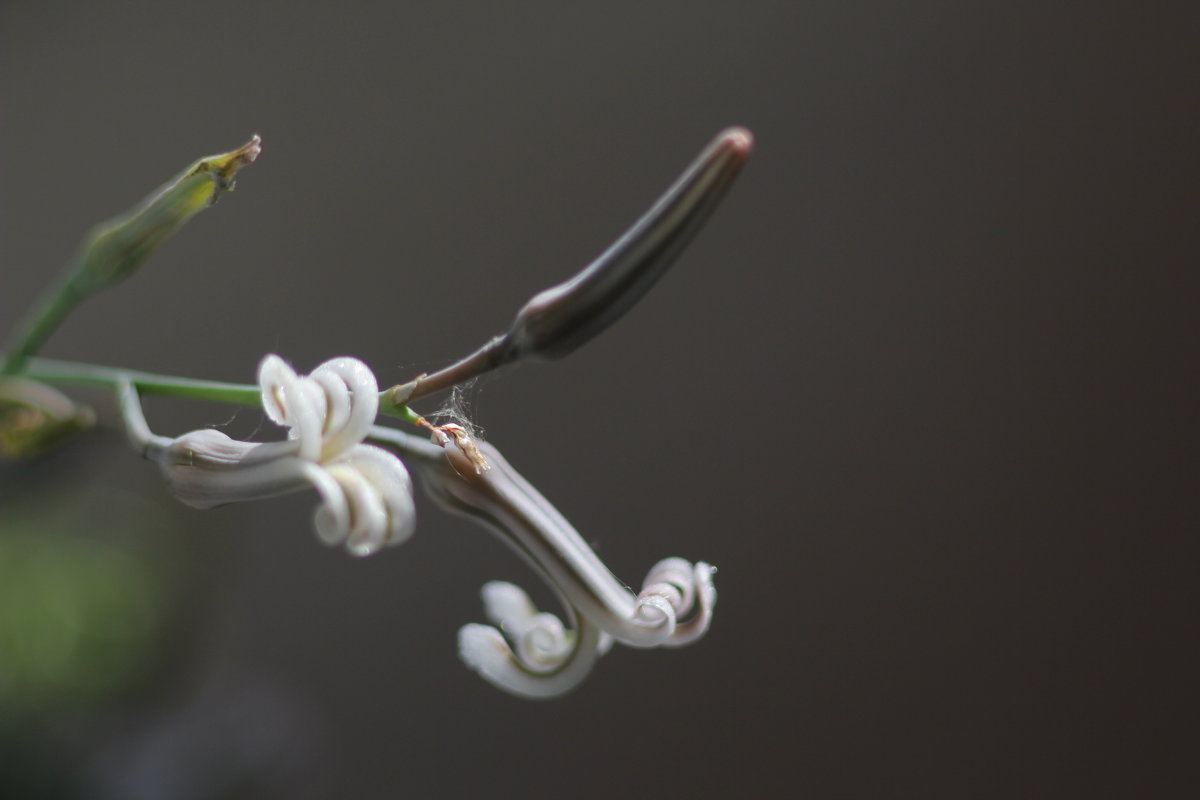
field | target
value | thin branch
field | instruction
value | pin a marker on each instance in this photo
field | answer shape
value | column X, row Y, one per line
column 72, row 373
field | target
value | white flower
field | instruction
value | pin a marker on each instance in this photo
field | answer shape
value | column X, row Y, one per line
column 535, row 654
column 366, row 492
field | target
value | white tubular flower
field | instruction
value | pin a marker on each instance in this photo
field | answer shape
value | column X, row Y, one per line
column 534, row 654
column 366, row 492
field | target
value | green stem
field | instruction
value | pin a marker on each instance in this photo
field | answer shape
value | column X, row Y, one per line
column 72, row 373
column 38, row 327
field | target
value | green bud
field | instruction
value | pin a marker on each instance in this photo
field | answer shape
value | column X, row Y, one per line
column 35, row 418
column 115, row 249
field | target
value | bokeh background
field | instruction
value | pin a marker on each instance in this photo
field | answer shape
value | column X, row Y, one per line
column 924, row 390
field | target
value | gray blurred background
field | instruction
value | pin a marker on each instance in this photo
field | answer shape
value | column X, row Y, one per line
column 924, row 390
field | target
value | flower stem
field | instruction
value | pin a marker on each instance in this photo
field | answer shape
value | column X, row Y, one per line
column 38, row 327
column 71, row 373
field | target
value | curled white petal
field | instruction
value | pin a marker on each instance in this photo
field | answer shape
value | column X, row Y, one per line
column 388, row 477
column 672, row 587
column 654, row 612
column 673, row 577
column 706, row 596
column 328, row 411
column 366, row 492
column 367, row 501
column 332, row 518
column 542, row 641
column 353, row 398
column 295, row 403
column 549, row 660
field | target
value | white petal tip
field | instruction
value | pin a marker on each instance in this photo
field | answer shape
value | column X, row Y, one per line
column 481, row 647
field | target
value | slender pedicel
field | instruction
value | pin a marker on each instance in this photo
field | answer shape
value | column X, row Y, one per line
column 558, row 320
column 73, row 373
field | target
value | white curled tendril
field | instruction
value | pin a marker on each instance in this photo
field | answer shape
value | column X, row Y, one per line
column 530, row 654
column 533, row 654
column 671, row 589
column 540, row 638
column 366, row 492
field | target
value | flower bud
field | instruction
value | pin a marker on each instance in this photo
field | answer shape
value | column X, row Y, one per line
column 115, row 249
column 557, row 321
column 35, row 418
